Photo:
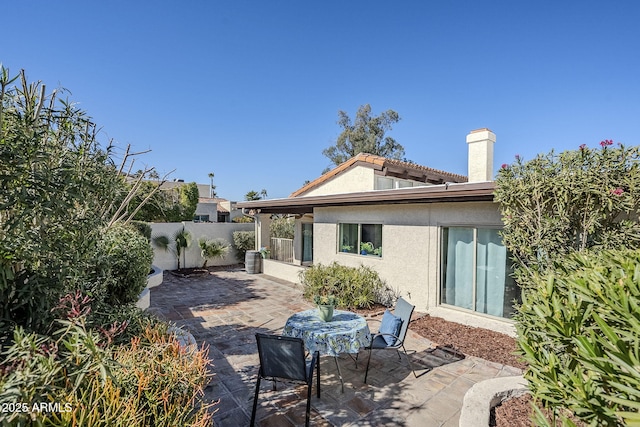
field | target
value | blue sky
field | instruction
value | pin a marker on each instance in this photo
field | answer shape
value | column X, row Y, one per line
column 250, row 90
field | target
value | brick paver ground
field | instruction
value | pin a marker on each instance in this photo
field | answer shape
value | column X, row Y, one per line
column 226, row 308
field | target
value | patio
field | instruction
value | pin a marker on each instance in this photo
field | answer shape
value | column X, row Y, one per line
column 227, row 307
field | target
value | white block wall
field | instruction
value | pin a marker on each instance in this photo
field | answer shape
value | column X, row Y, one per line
column 191, row 256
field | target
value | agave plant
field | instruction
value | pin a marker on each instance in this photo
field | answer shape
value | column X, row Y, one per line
column 211, row 249
column 181, row 240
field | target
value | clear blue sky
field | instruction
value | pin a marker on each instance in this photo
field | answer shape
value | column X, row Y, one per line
column 250, row 90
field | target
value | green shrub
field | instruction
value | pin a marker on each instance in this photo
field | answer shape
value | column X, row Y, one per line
column 243, row 219
column 125, row 259
column 143, row 228
column 575, row 200
column 282, row 227
column 243, row 241
column 578, row 329
column 352, row 287
column 151, row 381
column 56, row 174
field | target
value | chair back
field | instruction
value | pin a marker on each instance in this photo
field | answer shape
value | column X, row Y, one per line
column 403, row 310
column 281, row 357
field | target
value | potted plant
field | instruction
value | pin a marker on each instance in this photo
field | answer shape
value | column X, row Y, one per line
column 325, row 304
column 264, row 252
column 346, row 248
column 366, row 248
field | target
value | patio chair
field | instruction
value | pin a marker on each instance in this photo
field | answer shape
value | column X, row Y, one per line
column 392, row 332
column 283, row 358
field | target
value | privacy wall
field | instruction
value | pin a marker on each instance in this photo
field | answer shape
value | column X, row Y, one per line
column 191, row 256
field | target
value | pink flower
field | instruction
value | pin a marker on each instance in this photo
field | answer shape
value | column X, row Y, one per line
column 618, row 191
column 583, row 146
column 504, row 166
column 517, row 156
column 606, row 143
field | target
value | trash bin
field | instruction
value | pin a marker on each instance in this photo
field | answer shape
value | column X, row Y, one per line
column 253, row 262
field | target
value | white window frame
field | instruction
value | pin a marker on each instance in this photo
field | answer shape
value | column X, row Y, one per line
column 359, row 224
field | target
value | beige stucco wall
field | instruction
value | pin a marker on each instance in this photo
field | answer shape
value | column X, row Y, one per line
column 282, row 270
column 356, row 179
column 411, row 248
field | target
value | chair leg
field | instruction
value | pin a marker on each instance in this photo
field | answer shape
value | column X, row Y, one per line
column 309, row 401
column 255, row 402
column 409, row 360
column 367, row 370
column 318, row 380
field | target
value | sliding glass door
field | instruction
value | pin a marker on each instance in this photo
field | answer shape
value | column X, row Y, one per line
column 476, row 273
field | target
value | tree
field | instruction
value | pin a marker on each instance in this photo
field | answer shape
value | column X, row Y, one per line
column 167, row 205
column 189, row 195
column 365, row 135
column 252, row 195
column 212, row 188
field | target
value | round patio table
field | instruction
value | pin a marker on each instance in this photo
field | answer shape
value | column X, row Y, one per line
column 347, row 332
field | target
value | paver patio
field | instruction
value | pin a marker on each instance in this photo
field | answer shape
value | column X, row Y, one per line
column 226, row 308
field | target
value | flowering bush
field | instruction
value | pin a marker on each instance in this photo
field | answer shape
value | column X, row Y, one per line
column 559, row 203
column 554, row 208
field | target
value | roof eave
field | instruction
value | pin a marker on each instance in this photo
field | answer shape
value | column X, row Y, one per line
column 462, row 192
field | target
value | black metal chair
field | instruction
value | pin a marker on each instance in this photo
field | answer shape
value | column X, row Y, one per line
column 283, row 358
column 403, row 310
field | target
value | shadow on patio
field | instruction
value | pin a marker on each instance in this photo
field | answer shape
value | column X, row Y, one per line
column 225, row 310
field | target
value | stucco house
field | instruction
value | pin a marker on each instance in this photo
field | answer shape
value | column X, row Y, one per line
column 431, row 235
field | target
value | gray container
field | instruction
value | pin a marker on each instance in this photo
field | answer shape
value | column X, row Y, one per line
column 253, row 262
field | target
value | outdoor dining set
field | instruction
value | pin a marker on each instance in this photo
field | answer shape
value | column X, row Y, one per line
column 294, row 355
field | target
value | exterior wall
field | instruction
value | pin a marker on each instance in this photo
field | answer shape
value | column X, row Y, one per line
column 263, row 232
column 191, row 257
column 282, row 270
column 410, row 261
column 209, row 208
column 356, row 179
column 230, row 206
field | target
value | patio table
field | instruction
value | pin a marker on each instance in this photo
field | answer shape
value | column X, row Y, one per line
column 347, row 332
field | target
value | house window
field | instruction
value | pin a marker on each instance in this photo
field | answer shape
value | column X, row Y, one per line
column 363, row 239
column 201, row 218
column 386, row 183
column 476, row 271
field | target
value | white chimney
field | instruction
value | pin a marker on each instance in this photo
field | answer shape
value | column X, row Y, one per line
column 481, row 154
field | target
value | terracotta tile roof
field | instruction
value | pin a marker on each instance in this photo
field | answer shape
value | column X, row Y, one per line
column 380, row 163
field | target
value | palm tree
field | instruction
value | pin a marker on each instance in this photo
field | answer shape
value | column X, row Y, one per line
column 211, row 249
column 181, row 240
column 212, row 191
